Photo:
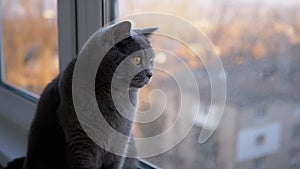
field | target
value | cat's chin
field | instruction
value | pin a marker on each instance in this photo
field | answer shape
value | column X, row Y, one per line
column 136, row 86
column 133, row 90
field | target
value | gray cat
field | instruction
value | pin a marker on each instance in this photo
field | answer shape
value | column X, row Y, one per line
column 58, row 141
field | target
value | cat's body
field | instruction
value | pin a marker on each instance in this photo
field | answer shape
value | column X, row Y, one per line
column 58, row 141
column 46, row 143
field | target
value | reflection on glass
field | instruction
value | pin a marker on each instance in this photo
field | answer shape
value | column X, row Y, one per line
column 259, row 44
column 30, row 43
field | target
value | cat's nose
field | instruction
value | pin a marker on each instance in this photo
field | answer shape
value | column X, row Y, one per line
column 149, row 74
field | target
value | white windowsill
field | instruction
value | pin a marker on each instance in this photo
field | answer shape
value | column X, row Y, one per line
column 13, row 141
column 16, row 114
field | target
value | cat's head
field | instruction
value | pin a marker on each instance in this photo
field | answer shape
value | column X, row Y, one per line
column 144, row 58
column 130, row 61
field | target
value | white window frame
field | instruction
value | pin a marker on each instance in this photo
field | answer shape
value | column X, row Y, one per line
column 77, row 20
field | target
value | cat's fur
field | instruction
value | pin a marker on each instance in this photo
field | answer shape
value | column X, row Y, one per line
column 57, row 140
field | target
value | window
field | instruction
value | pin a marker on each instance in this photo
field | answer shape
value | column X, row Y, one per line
column 294, row 157
column 30, row 43
column 72, row 22
column 260, row 140
column 258, row 43
column 260, row 113
column 259, row 163
column 296, row 131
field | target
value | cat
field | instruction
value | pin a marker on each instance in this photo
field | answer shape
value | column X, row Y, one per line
column 56, row 138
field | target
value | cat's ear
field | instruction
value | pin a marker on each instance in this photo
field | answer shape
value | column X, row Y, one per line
column 121, row 29
column 146, row 32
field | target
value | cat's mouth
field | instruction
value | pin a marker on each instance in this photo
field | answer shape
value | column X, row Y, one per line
column 139, row 82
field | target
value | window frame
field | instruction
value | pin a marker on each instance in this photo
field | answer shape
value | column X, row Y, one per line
column 72, row 16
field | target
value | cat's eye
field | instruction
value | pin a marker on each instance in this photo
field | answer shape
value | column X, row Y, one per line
column 137, row 60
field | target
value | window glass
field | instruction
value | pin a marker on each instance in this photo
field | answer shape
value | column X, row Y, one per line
column 260, row 140
column 296, row 131
column 259, row 163
column 260, row 113
column 295, row 157
column 29, row 43
column 258, row 42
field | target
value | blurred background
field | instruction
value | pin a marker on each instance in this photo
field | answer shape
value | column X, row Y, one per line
column 258, row 42
column 30, row 43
